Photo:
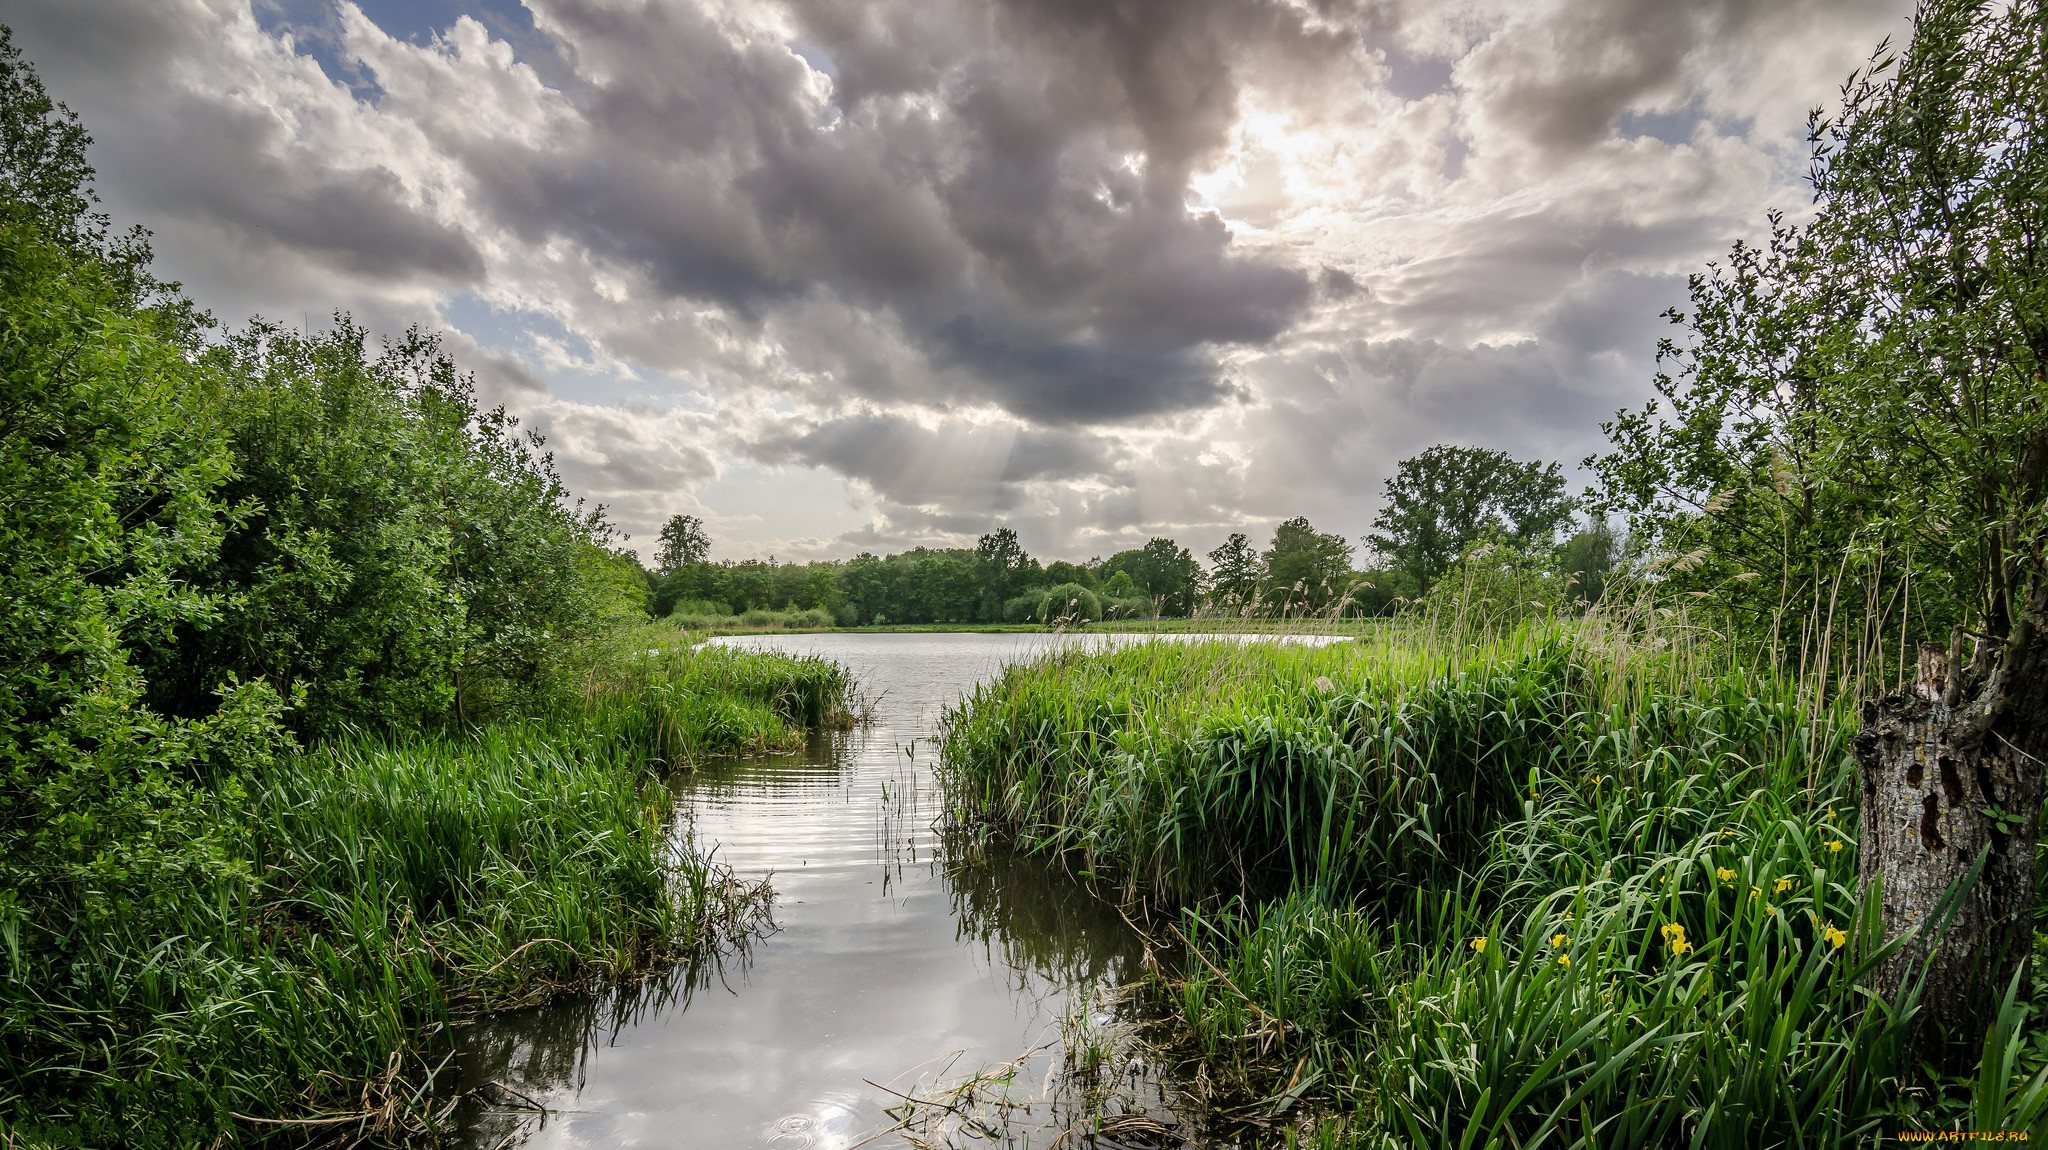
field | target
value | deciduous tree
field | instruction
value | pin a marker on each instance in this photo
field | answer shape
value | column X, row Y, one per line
column 1235, row 570
column 1446, row 499
column 682, row 541
column 1305, row 569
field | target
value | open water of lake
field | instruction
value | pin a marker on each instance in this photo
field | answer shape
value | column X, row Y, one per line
column 890, row 961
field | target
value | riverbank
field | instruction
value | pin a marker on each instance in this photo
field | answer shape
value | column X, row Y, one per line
column 1214, row 625
column 295, row 951
column 1458, row 892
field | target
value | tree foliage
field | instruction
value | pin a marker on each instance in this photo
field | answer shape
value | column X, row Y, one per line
column 401, row 557
column 1234, row 573
column 1441, row 502
column 1862, row 399
column 683, row 541
column 1305, row 570
column 1162, row 570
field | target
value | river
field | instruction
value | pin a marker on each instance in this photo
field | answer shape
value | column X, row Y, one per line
column 890, row 965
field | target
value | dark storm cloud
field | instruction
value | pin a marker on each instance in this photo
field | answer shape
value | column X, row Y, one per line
column 975, row 468
column 976, row 181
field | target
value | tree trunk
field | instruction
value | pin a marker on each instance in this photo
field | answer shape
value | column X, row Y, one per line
column 1938, row 762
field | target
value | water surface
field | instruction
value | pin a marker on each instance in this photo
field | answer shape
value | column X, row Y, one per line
column 890, row 962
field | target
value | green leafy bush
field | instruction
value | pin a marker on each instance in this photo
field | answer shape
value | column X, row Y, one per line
column 1070, row 601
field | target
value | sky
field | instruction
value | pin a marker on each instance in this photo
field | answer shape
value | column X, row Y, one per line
column 860, row 275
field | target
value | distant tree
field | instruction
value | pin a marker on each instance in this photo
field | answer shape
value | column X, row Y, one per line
column 1072, row 602
column 944, row 587
column 1858, row 414
column 1163, row 570
column 683, row 541
column 999, row 557
column 1305, row 568
column 1060, row 572
column 1585, row 561
column 1381, row 591
column 1235, row 571
column 1446, row 499
column 864, row 583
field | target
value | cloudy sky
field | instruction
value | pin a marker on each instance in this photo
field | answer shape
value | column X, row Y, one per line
column 843, row 275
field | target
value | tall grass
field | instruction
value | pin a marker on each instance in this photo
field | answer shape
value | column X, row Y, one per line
column 1569, row 884
column 369, row 895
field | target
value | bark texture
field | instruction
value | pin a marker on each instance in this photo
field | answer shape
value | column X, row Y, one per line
column 1950, row 767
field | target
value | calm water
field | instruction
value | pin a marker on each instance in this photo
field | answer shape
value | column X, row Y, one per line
column 890, row 963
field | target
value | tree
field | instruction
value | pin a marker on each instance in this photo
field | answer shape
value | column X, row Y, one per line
column 1059, row 572
column 1867, row 392
column 944, row 586
column 1585, row 561
column 1305, row 569
column 402, row 556
column 1234, row 574
column 1161, row 569
column 999, row 556
column 1443, row 501
column 683, row 541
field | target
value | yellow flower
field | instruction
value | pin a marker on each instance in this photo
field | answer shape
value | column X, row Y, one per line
column 1834, row 846
column 1564, row 960
column 1783, row 885
column 1660, row 878
column 1558, row 939
column 1479, row 944
column 1770, row 910
column 1755, row 891
column 1835, row 935
column 1724, row 874
column 1673, row 930
column 1680, row 946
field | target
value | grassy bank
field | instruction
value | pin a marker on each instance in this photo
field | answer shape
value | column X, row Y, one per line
column 352, row 903
column 805, row 623
column 1559, row 887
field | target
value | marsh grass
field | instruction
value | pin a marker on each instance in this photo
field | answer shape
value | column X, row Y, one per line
column 1482, row 880
column 372, row 894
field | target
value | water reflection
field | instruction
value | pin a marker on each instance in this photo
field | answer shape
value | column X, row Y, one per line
column 1033, row 920
column 521, row 1058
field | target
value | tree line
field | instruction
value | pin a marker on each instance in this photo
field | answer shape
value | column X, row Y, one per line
column 1441, row 508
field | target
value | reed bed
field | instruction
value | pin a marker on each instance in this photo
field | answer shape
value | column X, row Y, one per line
column 1561, row 883
column 371, row 894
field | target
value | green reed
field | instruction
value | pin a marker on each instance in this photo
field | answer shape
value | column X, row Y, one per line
column 1571, row 884
column 368, row 895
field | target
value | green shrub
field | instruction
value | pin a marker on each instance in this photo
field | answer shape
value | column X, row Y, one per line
column 1026, row 608
column 1070, row 601
column 1129, row 607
